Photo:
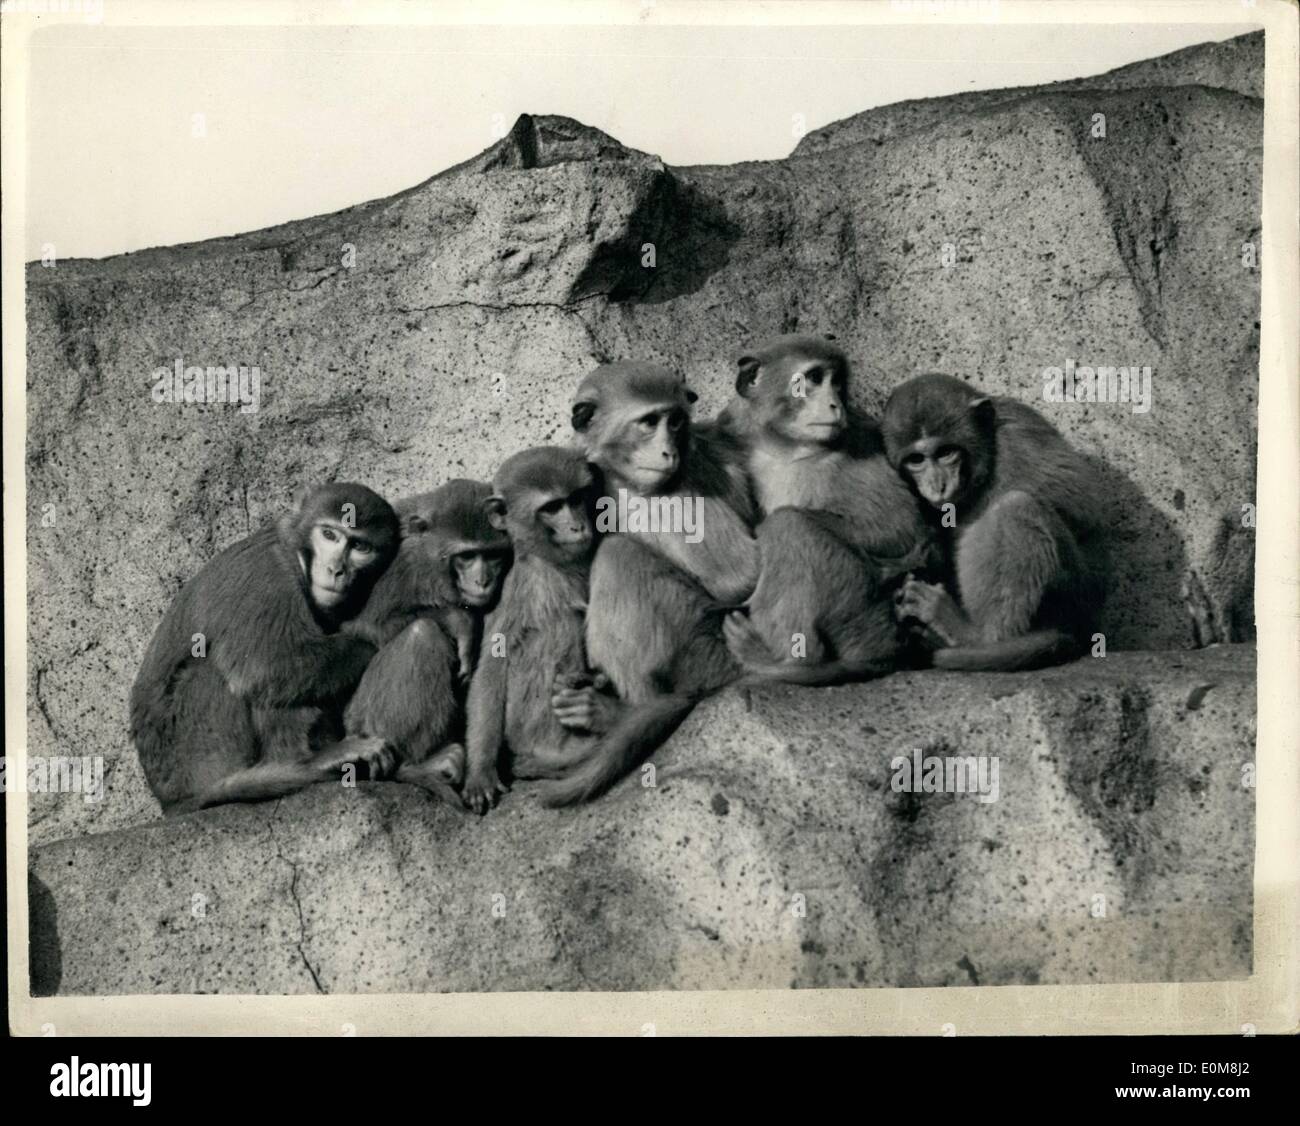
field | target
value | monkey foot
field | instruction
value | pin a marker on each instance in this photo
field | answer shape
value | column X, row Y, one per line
column 375, row 753
column 448, row 763
column 482, row 789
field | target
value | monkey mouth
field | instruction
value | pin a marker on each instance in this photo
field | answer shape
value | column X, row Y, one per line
column 653, row 473
column 573, row 542
column 938, row 500
column 327, row 596
column 476, row 595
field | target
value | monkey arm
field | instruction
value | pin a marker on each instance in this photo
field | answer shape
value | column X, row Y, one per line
column 458, row 624
column 281, row 658
column 724, row 560
column 485, row 722
column 317, row 671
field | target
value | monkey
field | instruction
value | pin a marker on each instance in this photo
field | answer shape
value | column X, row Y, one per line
column 657, row 597
column 839, row 525
column 240, row 693
column 1027, row 554
column 423, row 616
column 533, row 640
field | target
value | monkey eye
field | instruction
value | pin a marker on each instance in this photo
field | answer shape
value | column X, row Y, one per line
column 328, row 533
column 914, row 460
column 814, row 376
column 552, row 507
column 361, row 547
column 676, row 420
column 948, row 453
column 649, row 421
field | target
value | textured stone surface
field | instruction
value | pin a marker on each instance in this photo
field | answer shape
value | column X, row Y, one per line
column 1118, row 777
column 477, row 299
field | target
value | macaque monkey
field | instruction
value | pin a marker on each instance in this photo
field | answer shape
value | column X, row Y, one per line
column 241, row 690
column 657, row 594
column 542, row 498
column 1027, row 555
column 839, row 529
column 424, row 615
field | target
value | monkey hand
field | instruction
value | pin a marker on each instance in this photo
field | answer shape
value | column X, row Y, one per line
column 933, row 607
column 746, row 643
column 482, row 789
column 583, row 703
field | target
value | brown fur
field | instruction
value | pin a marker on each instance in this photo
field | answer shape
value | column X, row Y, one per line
column 1027, row 554
column 411, row 694
column 839, row 529
column 259, row 715
column 654, row 617
column 535, row 635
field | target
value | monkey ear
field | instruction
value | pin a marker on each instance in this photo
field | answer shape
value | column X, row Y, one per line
column 583, row 412
column 746, row 374
column 983, row 412
column 495, row 510
column 300, row 495
column 691, row 397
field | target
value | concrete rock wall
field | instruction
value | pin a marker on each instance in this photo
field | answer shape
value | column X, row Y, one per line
column 772, row 851
column 425, row 336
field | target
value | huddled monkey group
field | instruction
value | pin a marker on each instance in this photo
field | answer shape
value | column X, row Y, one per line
column 473, row 635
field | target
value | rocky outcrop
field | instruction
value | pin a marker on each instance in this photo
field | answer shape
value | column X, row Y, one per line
column 772, row 851
column 420, row 337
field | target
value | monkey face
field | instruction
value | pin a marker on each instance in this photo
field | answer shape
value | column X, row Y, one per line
column 648, row 451
column 343, row 536
column 566, row 523
column 634, row 421
column 935, row 467
column 477, row 574
column 811, row 401
column 543, row 499
column 794, row 390
column 335, row 557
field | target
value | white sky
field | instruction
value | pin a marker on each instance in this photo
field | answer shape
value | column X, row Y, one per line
column 301, row 121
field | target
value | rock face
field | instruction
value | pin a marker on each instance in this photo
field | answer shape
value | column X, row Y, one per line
column 425, row 336
column 772, row 851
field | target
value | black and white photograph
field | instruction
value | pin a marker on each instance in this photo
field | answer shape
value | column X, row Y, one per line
column 651, row 498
